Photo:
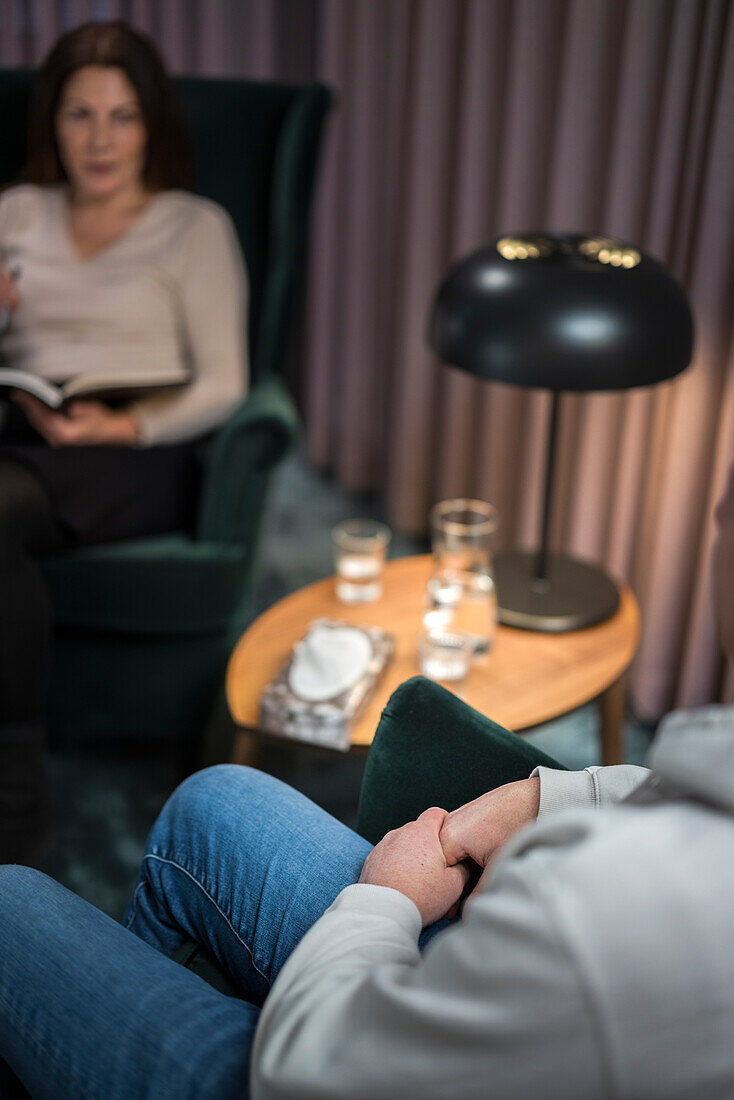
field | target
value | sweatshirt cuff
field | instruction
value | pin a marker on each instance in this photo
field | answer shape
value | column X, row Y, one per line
column 380, row 901
column 559, row 790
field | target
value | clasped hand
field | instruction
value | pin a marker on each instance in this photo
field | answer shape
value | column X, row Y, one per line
column 435, row 859
column 84, row 423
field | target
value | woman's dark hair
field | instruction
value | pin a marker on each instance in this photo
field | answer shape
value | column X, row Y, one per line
column 113, row 45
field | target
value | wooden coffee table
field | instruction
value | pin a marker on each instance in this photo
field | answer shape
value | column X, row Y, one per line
column 527, row 679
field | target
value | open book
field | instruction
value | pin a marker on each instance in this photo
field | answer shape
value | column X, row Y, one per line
column 98, row 386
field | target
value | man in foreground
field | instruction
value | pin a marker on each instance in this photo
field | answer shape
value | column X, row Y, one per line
column 594, row 958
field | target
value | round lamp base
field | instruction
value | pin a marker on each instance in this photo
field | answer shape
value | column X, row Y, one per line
column 575, row 595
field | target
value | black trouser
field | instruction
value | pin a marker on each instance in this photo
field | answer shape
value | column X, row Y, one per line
column 28, row 529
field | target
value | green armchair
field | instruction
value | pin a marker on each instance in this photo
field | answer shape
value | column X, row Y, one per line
column 144, row 627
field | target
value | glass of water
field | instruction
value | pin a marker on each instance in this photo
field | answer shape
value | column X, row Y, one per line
column 460, row 601
column 443, row 655
column 359, row 555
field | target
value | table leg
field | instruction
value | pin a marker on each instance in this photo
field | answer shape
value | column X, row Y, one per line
column 246, row 748
column 611, row 703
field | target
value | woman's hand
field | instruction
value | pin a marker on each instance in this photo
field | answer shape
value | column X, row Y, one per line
column 479, row 829
column 9, row 297
column 83, row 423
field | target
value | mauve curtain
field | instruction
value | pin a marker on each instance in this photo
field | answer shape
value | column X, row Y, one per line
column 459, row 120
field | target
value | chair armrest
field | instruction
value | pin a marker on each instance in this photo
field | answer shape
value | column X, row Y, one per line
column 432, row 749
column 253, row 440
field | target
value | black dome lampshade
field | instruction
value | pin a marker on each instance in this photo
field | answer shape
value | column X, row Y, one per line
column 561, row 312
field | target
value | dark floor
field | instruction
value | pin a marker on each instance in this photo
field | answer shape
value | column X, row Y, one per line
column 108, row 794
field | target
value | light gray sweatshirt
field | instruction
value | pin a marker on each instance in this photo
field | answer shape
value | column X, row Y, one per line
column 597, row 962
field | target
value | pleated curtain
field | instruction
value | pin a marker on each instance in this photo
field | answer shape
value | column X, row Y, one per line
column 459, row 120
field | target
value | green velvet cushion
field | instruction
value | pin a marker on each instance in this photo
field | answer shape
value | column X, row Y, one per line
column 431, row 749
column 148, row 685
column 166, row 585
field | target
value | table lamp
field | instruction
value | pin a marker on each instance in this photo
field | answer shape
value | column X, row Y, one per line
column 561, row 312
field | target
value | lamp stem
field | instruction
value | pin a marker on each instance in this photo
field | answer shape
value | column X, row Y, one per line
column 541, row 568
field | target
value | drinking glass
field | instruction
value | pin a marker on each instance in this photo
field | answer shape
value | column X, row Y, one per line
column 443, row 655
column 359, row 555
column 460, row 600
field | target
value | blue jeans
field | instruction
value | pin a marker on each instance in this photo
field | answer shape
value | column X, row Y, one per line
column 237, row 861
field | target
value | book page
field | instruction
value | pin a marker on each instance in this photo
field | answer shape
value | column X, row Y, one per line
column 45, row 391
column 142, row 379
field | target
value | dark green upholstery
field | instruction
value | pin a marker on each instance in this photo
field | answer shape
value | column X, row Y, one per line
column 144, row 627
column 431, row 749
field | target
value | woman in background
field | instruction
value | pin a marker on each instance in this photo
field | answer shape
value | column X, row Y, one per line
column 106, row 264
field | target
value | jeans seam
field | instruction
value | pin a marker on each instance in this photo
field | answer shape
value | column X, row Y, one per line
column 205, row 892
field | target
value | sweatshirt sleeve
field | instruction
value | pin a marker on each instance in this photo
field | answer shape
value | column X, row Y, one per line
column 214, row 293
column 594, row 786
column 493, row 1008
